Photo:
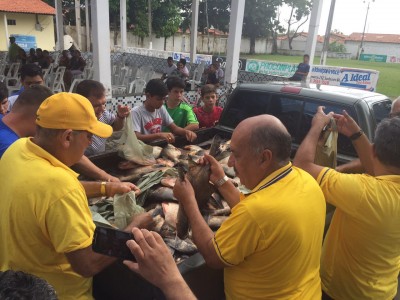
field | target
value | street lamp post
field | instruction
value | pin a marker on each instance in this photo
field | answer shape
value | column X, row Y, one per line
column 360, row 51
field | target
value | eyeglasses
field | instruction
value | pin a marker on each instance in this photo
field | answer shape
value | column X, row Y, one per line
column 88, row 134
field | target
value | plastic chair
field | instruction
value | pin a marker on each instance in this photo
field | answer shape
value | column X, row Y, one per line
column 12, row 80
column 137, row 86
column 58, row 82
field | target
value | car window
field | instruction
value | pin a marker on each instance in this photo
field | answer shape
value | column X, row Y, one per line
column 288, row 110
column 381, row 110
column 310, row 108
column 246, row 104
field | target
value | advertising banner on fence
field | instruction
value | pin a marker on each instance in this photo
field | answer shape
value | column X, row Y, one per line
column 346, row 77
column 373, row 57
column 270, row 68
column 222, row 61
column 199, row 57
column 393, row 59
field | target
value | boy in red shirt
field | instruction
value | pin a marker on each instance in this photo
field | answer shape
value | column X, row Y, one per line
column 208, row 114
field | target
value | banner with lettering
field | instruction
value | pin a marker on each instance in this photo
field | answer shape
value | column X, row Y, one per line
column 347, row 77
column 199, row 57
column 270, row 68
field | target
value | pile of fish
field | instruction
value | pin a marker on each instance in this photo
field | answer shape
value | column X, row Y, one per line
column 157, row 181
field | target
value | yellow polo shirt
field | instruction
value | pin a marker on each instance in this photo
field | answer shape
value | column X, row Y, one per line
column 361, row 252
column 43, row 214
column 272, row 240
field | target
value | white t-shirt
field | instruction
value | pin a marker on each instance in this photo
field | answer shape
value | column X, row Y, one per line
column 147, row 122
column 169, row 69
column 11, row 101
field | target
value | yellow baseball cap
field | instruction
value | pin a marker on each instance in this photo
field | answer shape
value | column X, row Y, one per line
column 70, row 111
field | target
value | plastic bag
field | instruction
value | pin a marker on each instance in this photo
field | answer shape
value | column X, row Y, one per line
column 125, row 208
column 130, row 148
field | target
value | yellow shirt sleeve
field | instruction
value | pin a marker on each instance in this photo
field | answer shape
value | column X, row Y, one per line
column 238, row 236
column 68, row 223
column 345, row 191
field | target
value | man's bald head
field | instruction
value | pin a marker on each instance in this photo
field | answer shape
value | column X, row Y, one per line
column 266, row 132
column 395, row 111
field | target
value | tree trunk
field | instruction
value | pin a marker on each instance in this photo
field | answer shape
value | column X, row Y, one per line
column 115, row 30
column 274, row 43
column 165, row 44
column 252, row 45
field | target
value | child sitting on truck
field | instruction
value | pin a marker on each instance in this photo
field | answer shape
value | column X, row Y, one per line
column 208, row 115
column 149, row 118
column 181, row 112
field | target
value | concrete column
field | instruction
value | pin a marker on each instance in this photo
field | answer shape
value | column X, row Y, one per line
column 327, row 33
column 122, row 14
column 78, row 22
column 193, row 30
column 6, row 30
column 60, row 25
column 234, row 39
column 87, row 25
column 101, row 43
column 150, row 25
column 313, row 29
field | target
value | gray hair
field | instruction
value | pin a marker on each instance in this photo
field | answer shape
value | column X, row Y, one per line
column 273, row 138
column 387, row 142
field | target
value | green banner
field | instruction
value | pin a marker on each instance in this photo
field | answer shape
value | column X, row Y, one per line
column 373, row 57
column 270, row 68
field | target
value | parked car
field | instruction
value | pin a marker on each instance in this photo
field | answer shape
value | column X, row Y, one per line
column 295, row 105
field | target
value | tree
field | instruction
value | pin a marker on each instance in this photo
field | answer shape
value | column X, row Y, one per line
column 166, row 19
column 217, row 12
column 337, row 47
column 299, row 13
column 259, row 16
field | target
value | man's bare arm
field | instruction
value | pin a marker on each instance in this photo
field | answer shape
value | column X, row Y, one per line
column 85, row 167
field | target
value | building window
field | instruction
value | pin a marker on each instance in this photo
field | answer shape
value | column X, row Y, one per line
column 11, row 22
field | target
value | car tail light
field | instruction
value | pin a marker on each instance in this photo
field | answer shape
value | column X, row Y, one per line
column 291, row 89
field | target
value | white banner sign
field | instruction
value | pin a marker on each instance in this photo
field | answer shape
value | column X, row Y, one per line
column 353, row 78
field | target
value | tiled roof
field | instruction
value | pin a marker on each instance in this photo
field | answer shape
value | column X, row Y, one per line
column 27, row 6
column 375, row 37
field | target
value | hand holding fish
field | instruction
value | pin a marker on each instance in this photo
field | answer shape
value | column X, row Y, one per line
column 346, row 124
column 320, row 118
column 156, row 264
column 190, row 135
column 113, row 188
column 184, row 192
column 217, row 172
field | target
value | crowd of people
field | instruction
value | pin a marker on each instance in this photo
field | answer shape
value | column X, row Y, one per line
column 272, row 244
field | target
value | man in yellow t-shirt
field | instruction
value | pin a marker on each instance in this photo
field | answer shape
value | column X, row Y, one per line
column 46, row 228
column 361, row 252
column 270, row 246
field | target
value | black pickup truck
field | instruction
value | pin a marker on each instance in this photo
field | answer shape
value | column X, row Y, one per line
column 295, row 106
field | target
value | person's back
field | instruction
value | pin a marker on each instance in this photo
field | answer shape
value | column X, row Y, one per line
column 286, row 223
column 360, row 256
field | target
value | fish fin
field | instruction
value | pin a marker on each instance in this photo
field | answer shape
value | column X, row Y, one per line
column 216, row 142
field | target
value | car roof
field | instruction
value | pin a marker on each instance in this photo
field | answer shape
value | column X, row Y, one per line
column 331, row 93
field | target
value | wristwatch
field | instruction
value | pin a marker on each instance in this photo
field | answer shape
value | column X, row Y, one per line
column 356, row 135
column 221, row 181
